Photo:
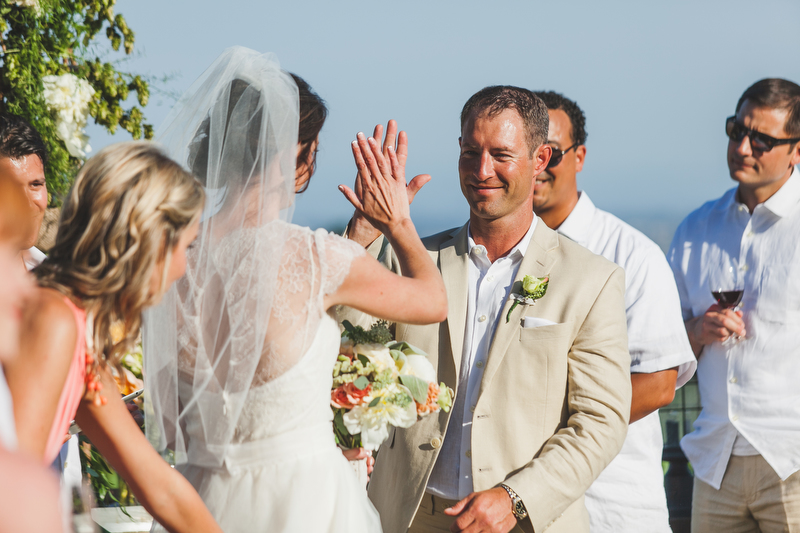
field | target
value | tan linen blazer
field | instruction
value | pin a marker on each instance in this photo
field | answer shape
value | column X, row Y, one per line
column 554, row 401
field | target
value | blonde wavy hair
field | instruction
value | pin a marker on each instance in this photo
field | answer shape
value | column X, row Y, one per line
column 120, row 221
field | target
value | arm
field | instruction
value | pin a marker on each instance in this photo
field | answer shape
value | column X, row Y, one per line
column 418, row 297
column 165, row 493
column 36, row 378
column 651, row 392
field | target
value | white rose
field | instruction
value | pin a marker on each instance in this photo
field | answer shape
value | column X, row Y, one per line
column 379, row 355
column 420, row 366
column 69, row 97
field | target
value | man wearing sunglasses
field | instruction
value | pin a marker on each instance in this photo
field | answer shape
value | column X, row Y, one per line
column 745, row 449
column 661, row 357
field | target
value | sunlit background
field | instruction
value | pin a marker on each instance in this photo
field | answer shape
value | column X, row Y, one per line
column 656, row 81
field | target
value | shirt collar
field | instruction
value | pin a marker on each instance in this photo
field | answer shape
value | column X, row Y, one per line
column 579, row 222
column 517, row 251
column 32, row 257
column 786, row 198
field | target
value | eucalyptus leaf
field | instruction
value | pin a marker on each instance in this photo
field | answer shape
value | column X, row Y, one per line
column 361, row 383
column 417, row 386
column 363, row 358
column 375, row 401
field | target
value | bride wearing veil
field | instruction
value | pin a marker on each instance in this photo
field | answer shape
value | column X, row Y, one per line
column 238, row 356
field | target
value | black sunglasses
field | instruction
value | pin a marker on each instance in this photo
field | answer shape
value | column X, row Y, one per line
column 758, row 141
column 558, row 155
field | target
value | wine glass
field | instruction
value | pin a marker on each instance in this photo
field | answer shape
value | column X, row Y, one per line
column 726, row 284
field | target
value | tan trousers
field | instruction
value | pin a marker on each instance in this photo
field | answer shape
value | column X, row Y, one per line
column 751, row 499
column 430, row 517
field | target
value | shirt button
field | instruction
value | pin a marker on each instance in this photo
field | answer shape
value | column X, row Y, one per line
column 489, row 278
column 744, row 267
column 482, row 318
column 750, row 233
column 469, row 454
column 734, row 380
column 742, row 207
column 436, row 442
column 479, row 364
column 734, row 418
column 471, row 408
column 480, row 250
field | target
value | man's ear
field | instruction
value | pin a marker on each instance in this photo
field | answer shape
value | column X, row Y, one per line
column 542, row 157
column 580, row 156
column 796, row 155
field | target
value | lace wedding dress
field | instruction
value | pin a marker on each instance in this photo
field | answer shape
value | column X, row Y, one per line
column 282, row 471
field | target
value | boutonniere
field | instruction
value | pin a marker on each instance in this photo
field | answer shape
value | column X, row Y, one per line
column 532, row 290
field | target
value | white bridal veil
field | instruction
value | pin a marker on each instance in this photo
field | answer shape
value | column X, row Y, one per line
column 236, row 129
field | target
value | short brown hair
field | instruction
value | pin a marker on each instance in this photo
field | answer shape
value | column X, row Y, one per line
column 776, row 93
column 495, row 99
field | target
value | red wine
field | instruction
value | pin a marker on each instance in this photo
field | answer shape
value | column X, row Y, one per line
column 728, row 299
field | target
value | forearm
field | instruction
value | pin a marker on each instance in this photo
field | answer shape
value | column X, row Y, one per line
column 416, row 263
column 361, row 231
column 694, row 335
column 176, row 505
column 652, row 391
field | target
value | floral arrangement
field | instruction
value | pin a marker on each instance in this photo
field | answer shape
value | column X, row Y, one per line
column 68, row 96
column 378, row 382
column 62, row 62
column 108, row 487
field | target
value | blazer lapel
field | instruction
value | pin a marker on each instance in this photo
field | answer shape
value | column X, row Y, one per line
column 454, row 265
column 537, row 262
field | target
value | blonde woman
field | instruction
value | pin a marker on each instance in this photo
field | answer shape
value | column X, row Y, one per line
column 121, row 243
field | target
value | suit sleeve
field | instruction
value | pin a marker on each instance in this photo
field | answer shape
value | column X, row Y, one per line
column 598, row 403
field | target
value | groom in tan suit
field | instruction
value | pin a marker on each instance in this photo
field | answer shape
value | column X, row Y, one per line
column 543, row 391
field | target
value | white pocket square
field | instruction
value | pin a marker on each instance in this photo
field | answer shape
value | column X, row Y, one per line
column 535, row 322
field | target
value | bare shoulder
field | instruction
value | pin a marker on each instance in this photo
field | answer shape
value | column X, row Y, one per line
column 48, row 323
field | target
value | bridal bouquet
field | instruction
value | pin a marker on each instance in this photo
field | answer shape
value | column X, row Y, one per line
column 378, row 382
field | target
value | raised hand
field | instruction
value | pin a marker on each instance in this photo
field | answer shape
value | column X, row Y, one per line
column 381, row 181
column 361, row 230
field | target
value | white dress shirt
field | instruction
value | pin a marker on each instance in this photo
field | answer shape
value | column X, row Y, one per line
column 748, row 388
column 629, row 494
column 489, row 287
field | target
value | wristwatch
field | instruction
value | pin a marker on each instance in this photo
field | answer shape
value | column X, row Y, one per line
column 517, row 507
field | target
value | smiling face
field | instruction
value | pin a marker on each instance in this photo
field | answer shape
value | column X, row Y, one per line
column 556, row 190
column 27, row 173
column 761, row 174
column 496, row 167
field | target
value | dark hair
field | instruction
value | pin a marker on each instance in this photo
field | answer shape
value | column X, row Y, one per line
column 495, row 99
column 577, row 119
column 312, row 117
column 19, row 139
column 776, row 93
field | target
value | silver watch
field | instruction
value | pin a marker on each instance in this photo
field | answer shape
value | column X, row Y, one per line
column 517, row 507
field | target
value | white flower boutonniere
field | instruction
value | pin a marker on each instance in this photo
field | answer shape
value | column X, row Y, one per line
column 532, row 290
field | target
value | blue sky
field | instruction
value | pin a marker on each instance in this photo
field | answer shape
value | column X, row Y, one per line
column 655, row 79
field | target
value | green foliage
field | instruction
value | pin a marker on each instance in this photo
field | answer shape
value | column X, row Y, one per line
column 379, row 333
column 56, row 38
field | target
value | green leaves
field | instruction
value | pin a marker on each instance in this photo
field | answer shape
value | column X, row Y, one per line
column 61, row 39
column 417, row 386
column 379, row 333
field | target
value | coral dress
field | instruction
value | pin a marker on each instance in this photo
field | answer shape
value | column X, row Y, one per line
column 72, row 392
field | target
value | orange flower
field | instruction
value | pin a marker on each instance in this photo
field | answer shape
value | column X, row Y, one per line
column 431, row 404
column 348, row 395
